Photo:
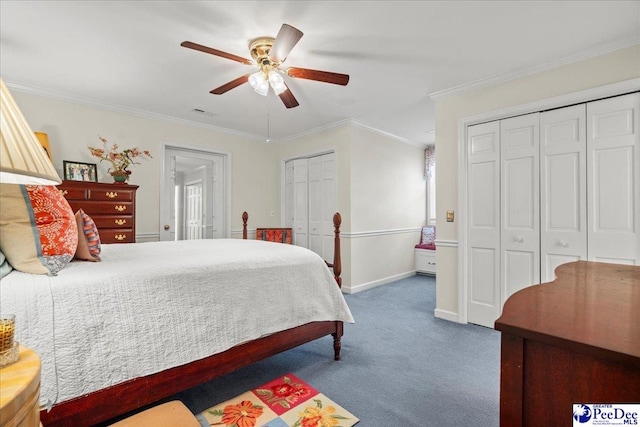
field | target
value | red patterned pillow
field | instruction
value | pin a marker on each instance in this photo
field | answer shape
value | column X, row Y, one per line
column 38, row 231
column 88, row 238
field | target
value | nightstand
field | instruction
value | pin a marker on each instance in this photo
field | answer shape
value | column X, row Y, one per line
column 20, row 391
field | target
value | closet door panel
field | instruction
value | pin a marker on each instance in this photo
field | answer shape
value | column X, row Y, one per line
column 315, row 205
column 288, row 194
column 328, row 205
column 563, row 214
column 613, row 197
column 483, row 273
column 520, row 198
column 300, row 202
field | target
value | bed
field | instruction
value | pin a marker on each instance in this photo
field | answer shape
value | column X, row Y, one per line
column 152, row 319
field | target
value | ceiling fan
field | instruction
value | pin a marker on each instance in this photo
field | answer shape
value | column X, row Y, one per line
column 268, row 54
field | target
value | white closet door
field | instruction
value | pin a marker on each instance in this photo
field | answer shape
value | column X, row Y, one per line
column 483, row 270
column 563, row 179
column 613, row 173
column 315, row 204
column 288, row 194
column 328, row 205
column 520, row 198
column 301, row 202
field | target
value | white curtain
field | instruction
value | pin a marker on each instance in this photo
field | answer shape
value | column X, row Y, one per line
column 429, row 161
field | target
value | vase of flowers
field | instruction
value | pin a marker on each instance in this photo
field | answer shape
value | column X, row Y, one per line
column 120, row 159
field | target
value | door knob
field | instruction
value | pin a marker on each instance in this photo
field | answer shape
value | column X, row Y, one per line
column 166, row 226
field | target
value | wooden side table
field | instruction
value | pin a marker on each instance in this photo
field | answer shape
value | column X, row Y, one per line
column 20, row 390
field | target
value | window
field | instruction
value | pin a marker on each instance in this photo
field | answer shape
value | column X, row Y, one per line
column 430, row 177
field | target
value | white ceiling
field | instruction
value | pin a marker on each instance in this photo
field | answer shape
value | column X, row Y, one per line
column 127, row 55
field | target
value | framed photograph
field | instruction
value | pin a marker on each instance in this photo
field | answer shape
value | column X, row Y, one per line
column 78, row 171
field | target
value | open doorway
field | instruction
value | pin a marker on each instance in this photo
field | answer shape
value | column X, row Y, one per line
column 193, row 197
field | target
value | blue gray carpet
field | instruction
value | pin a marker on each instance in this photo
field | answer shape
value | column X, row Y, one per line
column 400, row 365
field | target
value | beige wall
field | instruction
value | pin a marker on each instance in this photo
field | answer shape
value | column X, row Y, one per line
column 72, row 127
column 381, row 193
column 611, row 68
column 381, row 197
column 388, row 207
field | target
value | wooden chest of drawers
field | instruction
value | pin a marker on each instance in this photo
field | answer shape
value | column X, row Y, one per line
column 111, row 206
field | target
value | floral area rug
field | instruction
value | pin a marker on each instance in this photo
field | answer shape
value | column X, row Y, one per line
column 285, row 402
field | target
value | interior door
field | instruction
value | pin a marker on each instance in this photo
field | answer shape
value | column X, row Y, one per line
column 613, row 173
column 520, row 198
column 182, row 165
column 483, row 256
column 193, row 211
column 563, row 183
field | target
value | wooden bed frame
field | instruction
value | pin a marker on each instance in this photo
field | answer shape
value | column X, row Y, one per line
column 111, row 402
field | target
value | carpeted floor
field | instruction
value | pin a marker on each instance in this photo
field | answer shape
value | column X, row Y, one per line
column 400, row 366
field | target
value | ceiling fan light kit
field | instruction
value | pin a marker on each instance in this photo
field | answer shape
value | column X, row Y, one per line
column 268, row 54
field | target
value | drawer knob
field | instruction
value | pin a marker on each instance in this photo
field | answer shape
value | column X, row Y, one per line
column 120, row 208
column 119, row 221
column 112, row 194
column 120, row 237
column 63, row 192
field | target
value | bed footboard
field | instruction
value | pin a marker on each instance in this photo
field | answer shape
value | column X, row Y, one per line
column 131, row 395
column 337, row 259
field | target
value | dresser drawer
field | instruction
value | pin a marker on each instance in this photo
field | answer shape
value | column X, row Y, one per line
column 73, row 193
column 110, row 235
column 112, row 221
column 113, row 195
column 103, row 208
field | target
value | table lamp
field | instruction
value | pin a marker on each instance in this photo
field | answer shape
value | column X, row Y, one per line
column 22, row 158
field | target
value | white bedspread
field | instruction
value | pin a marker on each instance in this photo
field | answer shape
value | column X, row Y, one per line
column 151, row 306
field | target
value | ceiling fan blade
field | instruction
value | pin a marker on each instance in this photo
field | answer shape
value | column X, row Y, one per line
column 288, row 99
column 286, row 39
column 231, row 85
column 216, row 52
column 320, row 76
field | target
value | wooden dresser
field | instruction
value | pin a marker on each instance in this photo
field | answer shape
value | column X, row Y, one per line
column 111, row 206
column 20, row 391
column 575, row 340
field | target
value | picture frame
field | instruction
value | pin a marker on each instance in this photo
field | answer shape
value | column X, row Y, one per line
column 79, row 171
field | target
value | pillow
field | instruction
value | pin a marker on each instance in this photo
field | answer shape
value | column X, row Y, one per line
column 5, row 267
column 428, row 235
column 88, row 238
column 38, row 231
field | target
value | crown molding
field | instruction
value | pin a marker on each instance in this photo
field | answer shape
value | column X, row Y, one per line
column 597, row 50
column 32, row 90
column 60, row 96
column 348, row 122
column 338, row 124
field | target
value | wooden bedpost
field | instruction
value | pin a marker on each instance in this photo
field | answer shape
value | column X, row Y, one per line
column 337, row 263
column 245, row 218
column 337, row 270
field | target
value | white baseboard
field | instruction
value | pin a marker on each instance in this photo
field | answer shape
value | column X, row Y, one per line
column 375, row 283
column 446, row 315
column 147, row 237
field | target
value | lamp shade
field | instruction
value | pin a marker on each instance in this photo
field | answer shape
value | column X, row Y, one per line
column 23, row 160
